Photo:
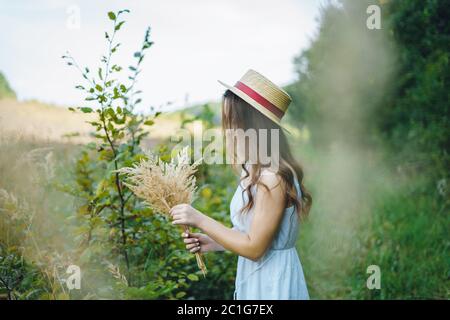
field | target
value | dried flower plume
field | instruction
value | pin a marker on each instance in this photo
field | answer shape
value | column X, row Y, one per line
column 163, row 185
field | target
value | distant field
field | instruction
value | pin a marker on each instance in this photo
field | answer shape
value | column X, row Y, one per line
column 44, row 122
column 51, row 123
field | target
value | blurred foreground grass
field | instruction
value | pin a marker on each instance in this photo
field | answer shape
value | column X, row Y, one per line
column 368, row 213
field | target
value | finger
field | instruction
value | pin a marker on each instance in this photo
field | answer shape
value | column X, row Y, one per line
column 200, row 237
column 191, row 245
column 178, row 206
column 194, row 250
column 194, row 235
column 176, row 218
column 191, row 240
column 185, row 235
column 175, row 209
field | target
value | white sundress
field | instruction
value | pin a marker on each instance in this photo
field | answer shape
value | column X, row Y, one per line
column 278, row 275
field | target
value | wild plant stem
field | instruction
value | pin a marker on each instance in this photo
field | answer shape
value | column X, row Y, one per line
column 122, row 199
column 198, row 255
column 116, row 167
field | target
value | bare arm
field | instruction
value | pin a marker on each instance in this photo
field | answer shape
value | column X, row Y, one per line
column 267, row 211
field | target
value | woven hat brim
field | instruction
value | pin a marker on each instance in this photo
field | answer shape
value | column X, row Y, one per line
column 254, row 104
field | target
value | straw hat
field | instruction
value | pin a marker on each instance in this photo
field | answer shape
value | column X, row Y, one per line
column 262, row 94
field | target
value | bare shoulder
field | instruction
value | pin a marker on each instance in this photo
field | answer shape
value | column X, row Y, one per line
column 272, row 180
column 271, row 197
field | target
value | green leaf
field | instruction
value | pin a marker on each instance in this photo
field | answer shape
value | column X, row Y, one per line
column 94, row 123
column 116, row 67
column 147, row 45
column 116, row 93
column 123, row 88
column 101, row 98
column 86, row 109
column 149, row 122
column 115, row 48
column 192, row 277
column 112, row 15
column 99, row 87
column 119, row 25
column 110, row 112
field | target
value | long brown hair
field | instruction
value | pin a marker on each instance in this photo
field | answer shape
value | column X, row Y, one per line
column 238, row 114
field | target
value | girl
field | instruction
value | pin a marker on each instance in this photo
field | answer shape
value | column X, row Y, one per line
column 268, row 204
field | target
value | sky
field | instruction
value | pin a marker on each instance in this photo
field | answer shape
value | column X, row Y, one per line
column 197, row 42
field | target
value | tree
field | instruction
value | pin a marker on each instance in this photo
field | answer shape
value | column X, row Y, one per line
column 5, row 89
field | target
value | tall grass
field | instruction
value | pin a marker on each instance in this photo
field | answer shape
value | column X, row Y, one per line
column 32, row 216
column 374, row 214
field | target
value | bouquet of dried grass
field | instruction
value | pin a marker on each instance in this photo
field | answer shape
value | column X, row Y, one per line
column 163, row 185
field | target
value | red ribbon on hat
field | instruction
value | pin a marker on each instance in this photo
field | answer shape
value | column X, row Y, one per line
column 260, row 99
